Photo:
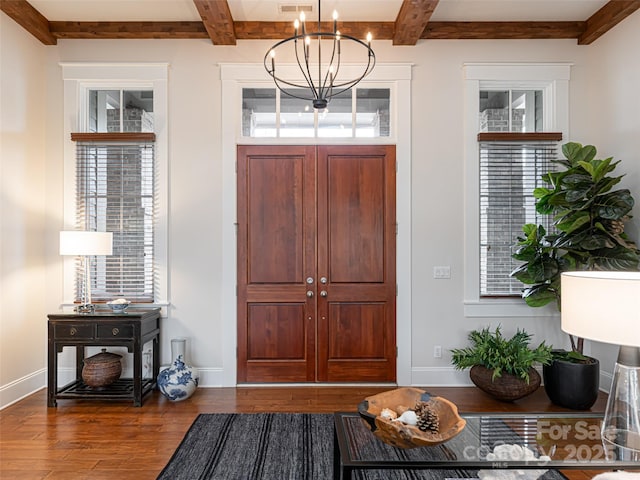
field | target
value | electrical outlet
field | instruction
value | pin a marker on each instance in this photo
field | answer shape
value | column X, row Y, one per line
column 437, row 351
column 442, row 272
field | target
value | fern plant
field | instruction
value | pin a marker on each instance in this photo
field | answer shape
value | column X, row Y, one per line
column 499, row 354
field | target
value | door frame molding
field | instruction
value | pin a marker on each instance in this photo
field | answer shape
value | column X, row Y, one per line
column 234, row 76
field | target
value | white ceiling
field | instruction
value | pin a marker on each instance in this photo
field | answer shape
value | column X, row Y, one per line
column 350, row 10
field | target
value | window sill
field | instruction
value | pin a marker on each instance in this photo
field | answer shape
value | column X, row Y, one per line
column 506, row 307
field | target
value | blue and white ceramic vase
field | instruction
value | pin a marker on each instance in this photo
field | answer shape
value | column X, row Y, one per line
column 180, row 380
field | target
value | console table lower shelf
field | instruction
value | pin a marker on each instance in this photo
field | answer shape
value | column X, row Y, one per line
column 558, row 442
column 121, row 389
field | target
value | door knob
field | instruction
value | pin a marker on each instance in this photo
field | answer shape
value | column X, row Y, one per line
column 309, row 293
column 323, row 293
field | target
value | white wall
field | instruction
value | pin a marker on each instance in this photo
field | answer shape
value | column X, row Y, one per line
column 195, row 205
column 614, row 117
column 23, row 212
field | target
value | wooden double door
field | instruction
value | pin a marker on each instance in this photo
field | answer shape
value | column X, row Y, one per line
column 316, row 264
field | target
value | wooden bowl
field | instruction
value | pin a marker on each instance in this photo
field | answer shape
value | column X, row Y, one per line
column 400, row 435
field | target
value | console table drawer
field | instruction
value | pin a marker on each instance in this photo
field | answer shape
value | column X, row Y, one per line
column 75, row 331
column 115, row 331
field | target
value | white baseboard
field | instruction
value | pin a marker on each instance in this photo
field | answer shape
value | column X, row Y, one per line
column 25, row 386
column 214, row 377
column 210, row 377
column 22, row 387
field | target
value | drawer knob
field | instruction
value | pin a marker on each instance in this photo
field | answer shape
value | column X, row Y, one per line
column 73, row 331
column 115, row 331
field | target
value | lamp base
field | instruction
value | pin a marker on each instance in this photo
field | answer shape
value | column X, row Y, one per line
column 621, row 423
column 85, row 308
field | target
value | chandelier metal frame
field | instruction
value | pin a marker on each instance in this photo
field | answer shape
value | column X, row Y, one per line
column 319, row 90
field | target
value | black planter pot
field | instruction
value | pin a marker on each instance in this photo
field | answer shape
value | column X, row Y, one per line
column 572, row 385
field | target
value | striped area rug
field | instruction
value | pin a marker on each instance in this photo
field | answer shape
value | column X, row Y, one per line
column 274, row 446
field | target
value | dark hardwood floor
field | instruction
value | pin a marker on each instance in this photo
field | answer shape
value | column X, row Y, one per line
column 99, row 440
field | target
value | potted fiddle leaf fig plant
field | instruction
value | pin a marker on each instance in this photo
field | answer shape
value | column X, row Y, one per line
column 501, row 367
column 589, row 218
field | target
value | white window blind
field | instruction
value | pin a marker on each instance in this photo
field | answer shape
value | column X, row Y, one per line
column 509, row 173
column 115, row 193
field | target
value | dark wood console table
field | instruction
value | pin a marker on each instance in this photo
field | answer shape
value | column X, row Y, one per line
column 131, row 329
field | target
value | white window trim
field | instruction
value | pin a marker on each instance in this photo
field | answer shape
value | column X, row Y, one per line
column 234, row 77
column 553, row 79
column 395, row 77
column 78, row 79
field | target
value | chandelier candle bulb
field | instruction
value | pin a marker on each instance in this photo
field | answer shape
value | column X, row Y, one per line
column 296, row 25
column 335, row 21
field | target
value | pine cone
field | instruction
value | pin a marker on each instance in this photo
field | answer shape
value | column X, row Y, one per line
column 428, row 420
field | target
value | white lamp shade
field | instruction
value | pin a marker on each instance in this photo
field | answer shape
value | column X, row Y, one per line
column 86, row 243
column 602, row 306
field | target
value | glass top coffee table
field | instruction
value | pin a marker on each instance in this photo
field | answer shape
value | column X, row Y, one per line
column 554, row 441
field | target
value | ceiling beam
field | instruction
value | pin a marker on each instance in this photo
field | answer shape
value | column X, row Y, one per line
column 502, row 30
column 218, row 21
column 280, row 30
column 29, row 18
column 128, row 30
column 606, row 18
column 184, row 30
column 412, row 19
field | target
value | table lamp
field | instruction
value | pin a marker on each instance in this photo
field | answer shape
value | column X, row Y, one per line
column 605, row 306
column 84, row 244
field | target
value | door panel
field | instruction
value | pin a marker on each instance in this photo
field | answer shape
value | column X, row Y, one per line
column 276, row 253
column 356, row 207
column 277, row 343
column 354, row 331
column 275, row 332
column 273, row 215
column 357, row 254
column 326, row 214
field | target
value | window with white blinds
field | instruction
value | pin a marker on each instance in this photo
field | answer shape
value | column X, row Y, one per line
column 115, row 178
column 509, row 173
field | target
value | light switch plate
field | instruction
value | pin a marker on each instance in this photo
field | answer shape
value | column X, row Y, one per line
column 442, row 272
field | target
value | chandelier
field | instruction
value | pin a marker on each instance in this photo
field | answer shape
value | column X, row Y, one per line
column 320, row 76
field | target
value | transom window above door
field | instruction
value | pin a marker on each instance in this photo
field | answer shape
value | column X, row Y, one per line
column 356, row 113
